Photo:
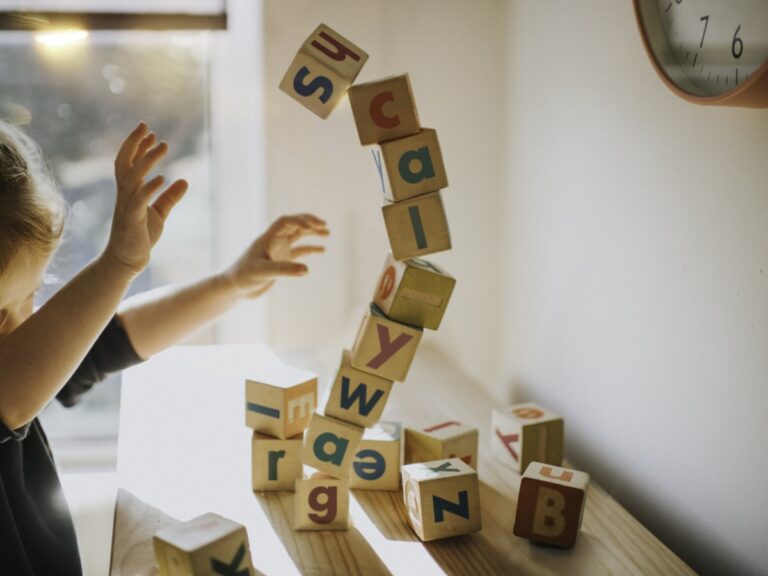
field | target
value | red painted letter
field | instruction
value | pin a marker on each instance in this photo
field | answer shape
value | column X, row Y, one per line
column 377, row 110
column 388, row 348
column 340, row 52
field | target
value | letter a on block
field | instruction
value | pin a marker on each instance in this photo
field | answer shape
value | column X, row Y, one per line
column 339, row 448
column 330, row 445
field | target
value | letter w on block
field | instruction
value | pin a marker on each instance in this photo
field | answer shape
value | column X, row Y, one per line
column 359, row 395
column 459, row 509
column 387, row 348
column 233, row 568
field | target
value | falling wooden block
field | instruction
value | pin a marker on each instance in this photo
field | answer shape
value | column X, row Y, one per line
column 275, row 463
column 384, row 347
column 442, row 498
column 384, row 109
column 417, row 227
column 448, row 439
column 206, row 545
column 414, row 292
column 377, row 461
column 525, row 433
column 550, row 504
column 330, row 445
column 321, row 503
column 414, row 165
column 280, row 401
column 357, row 397
column 323, row 70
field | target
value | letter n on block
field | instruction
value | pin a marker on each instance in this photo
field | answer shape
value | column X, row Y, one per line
column 357, row 397
column 550, row 504
column 523, row 433
column 384, row 347
column 321, row 503
column 384, row 109
column 442, row 498
column 330, row 445
column 323, row 70
column 276, row 463
column 414, row 165
column 377, row 461
column 208, row 544
column 417, row 227
column 280, row 402
column 414, row 292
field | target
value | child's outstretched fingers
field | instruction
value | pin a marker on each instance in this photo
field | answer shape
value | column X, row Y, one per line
column 169, row 198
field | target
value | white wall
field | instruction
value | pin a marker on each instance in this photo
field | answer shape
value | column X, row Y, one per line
column 451, row 54
column 637, row 276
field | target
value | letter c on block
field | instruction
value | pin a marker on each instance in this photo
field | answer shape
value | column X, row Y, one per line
column 377, row 111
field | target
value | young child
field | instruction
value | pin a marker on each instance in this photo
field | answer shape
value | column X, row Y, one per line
column 76, row 338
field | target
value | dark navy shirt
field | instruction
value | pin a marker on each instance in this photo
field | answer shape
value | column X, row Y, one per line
column 37, row 536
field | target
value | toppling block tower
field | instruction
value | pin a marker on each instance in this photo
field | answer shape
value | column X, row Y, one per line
column 208, row 544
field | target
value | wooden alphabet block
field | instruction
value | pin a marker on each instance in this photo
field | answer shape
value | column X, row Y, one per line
column 414, row 292
column 275, row 463
column 442, row 498
column 377, row 461
column 448, row 439
column 357, row 397
column 414, row 165
column 323, row 70
column 330, row 445
column 384, row 109
column 523, row 433
column 280, row 402
column 321, row 503
column 206, row 545
column 550, row 504
column 384, row 347
column 417, row 227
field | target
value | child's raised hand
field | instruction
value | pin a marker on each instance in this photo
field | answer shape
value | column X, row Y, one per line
column 273, row 253
column 137, row 224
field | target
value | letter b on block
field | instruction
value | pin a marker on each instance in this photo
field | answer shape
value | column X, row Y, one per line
column 550, row 504
column 323, row 70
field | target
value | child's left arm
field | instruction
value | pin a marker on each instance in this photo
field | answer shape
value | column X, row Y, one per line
column 160, row 318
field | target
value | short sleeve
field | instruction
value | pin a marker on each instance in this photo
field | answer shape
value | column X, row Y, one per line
column 112, row 352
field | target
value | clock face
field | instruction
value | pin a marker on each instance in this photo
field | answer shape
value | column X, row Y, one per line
column 707, row 48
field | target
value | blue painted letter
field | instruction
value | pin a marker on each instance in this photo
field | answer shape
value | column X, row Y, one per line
column 370, row 470
column 360, row 395
column 321, row 82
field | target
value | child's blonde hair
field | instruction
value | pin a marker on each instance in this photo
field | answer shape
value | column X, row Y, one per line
column 31, row 207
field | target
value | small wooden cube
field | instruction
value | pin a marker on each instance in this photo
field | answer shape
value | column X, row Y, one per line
column 414, row 292
column 330, row 445
column 357, row 397
column 442, row 498
column 323, row 70
column 384, row 109
column 414, row 165
column 280, row 401
column 523, row 433
column 550, row 504
column 321, row 503
column 275, row 463
column 384, row 347
column 417, row 227
column 208, row 544
column 448, row 439
column 377, row 461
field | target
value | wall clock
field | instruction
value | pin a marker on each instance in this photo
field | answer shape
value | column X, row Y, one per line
column 709, row 51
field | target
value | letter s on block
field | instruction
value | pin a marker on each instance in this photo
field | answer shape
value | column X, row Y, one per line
column 328, row 505
column 319, row 83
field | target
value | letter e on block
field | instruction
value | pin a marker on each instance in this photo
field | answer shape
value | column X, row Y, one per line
column 442, row 498
column 323, row 70
column 321, row 503
column 550, row 504
column 208, row 544
column 377, row 461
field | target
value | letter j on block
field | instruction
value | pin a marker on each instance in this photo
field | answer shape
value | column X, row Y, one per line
column 384, row 347
column 323, row 70
column 550, row 504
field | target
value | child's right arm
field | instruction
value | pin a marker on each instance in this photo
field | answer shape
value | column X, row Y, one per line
column 41, row 354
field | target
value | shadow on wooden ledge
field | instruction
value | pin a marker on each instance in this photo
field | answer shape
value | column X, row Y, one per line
column 322, row 552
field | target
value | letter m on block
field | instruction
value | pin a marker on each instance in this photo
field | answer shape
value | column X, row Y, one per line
column 360, row 396
column 442, row 506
